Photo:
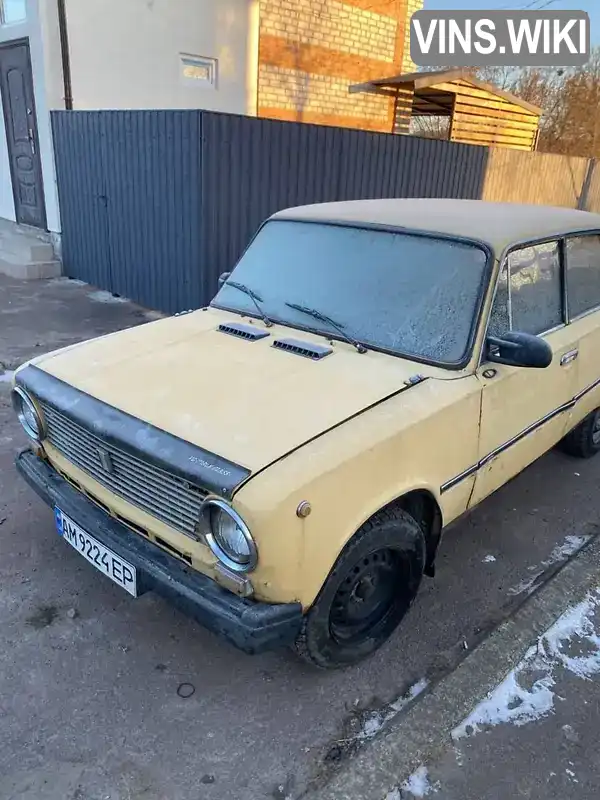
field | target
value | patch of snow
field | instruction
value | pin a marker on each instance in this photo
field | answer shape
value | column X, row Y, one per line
column 6, row 377
column 68, row 281
column 524, row 586
column 106, row 297
column 377, row 719
column 394, row 795
column 512, row 701
column 415, row 690
column 562, row 551
column 570, row 545
column 418, row 784
column 489, row 559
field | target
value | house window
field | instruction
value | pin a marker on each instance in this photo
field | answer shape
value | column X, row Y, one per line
column 12, row 11
column 198, row 71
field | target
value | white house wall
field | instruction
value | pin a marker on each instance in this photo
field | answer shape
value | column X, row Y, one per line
column 32, row 29
column 126, row 53
column 7, row 205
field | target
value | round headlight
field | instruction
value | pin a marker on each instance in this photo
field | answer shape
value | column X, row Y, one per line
column 229, row 538
column 28, row 415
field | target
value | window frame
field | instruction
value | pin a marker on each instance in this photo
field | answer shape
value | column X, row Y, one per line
column 6, row 23
column 477, row 318
column 560, row 249
column 210, row 63
column 503, row 260
column 576, row 235
column 561, row 238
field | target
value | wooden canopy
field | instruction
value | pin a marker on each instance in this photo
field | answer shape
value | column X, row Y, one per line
column 479, row 112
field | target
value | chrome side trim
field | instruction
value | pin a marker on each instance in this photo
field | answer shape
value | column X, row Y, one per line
column 459, row 478
column 533, row 427
column 585, row 391
column 515, row 439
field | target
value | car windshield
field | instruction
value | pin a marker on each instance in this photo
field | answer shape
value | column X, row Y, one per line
column 410, row 294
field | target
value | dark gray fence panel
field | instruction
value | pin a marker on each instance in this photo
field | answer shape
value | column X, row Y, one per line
column 82, row 197
column 130, row 191
column 156, row 204
column 254, row 167
column 154, row 185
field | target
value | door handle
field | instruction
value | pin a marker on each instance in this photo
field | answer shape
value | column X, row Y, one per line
column 32, row 140
column 569, row 357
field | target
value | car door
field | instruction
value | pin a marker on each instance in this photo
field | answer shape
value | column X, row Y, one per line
column 525, row 411
column 582, row 255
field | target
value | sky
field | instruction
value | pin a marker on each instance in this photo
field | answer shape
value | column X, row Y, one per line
column 591, row 6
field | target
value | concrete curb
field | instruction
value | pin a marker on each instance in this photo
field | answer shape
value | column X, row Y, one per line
column 423, row 732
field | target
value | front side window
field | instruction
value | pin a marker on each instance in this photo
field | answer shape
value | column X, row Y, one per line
column 413, row 295
column 532, row 276
column 535, row 288
column 583, row 274
column 12, row 11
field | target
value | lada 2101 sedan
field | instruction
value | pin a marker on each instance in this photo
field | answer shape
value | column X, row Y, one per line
column 282, row 463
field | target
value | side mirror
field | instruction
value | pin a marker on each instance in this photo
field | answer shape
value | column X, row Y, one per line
column 224, row 277
column 519, row 350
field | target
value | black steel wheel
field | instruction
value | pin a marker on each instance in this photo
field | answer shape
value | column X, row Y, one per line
column 584, row 440
column 367, row 594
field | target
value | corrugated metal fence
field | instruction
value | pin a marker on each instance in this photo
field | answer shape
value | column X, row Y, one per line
column 130, row 192
column 156, row 204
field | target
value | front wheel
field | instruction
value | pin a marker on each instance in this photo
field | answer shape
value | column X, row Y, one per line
column 367, row 594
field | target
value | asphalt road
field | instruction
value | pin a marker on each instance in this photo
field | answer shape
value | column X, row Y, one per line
column 89, row 708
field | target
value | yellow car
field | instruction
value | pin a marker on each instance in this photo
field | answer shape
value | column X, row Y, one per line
column 282, row 463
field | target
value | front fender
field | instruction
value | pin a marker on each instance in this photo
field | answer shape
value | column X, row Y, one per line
column 419, row 439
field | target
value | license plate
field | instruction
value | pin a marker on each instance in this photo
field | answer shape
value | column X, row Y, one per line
column 101, row 557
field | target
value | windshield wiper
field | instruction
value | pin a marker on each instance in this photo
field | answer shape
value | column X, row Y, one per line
column 256, row 299
column 312, row 312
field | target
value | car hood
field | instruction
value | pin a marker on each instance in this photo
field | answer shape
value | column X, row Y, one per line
column 243, row 400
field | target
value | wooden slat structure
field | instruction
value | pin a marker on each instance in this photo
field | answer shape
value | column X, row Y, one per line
column 479, row 112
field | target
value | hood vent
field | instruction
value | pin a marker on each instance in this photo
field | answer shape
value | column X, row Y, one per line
column 306, row 349
column 242, row 331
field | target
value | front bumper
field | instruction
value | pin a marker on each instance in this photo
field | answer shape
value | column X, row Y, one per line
column 250, row 626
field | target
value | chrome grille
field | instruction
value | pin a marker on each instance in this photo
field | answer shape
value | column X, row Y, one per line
column 155, row 491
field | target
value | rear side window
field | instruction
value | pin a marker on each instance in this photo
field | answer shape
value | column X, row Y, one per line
column 535, row 288
column 583, row 274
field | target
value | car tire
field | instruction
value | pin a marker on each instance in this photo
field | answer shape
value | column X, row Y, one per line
column 584, row 440
column 371, row 587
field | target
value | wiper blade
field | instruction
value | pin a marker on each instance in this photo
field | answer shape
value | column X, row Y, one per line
column 256, row 299
column 313, row 312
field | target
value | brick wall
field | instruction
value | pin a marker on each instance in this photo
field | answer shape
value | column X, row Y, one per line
column 312, row 50
column 408, row 65
column 295, row 90
column 328, row 23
